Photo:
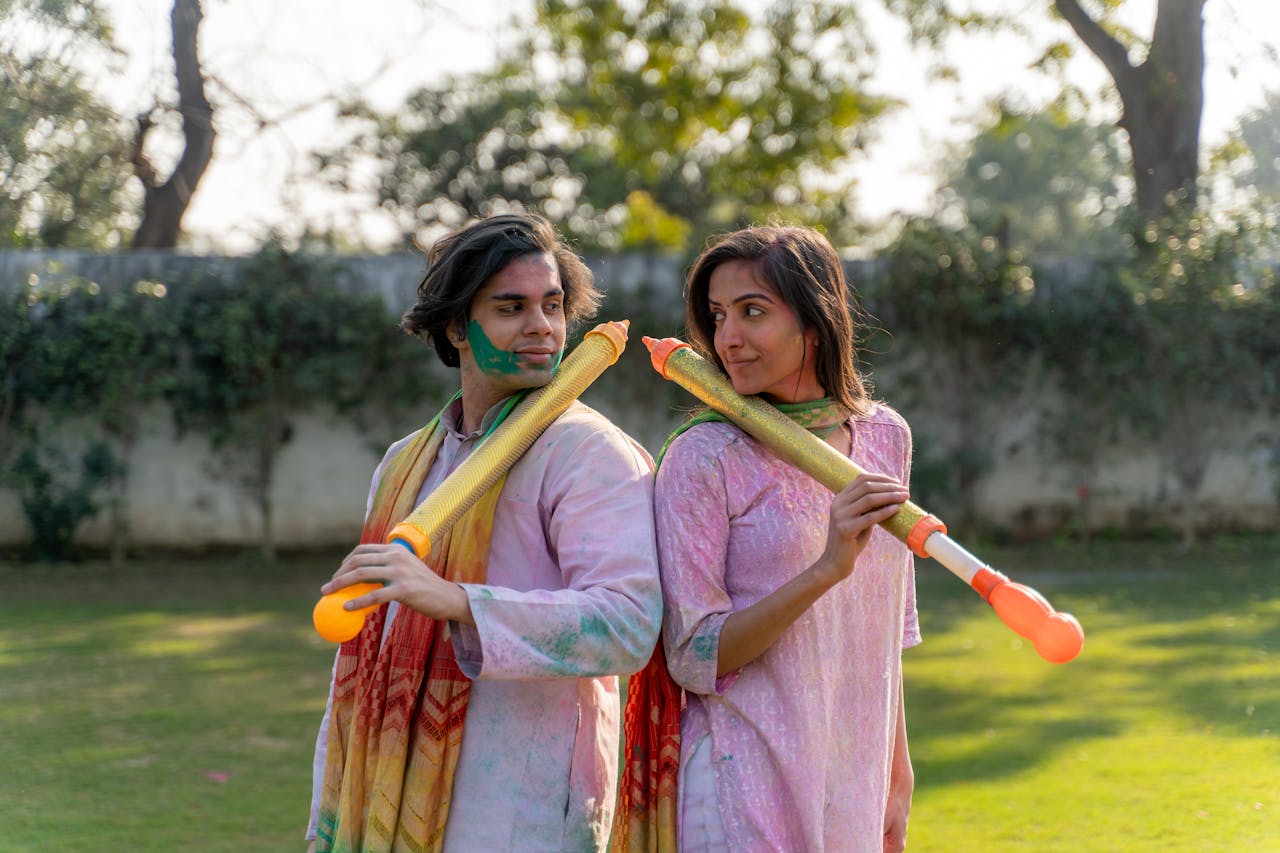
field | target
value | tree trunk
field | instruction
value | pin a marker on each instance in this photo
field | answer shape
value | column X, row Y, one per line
column 164, row 204
column 1162, row 98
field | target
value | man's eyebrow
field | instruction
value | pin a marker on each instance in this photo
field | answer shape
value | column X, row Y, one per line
column 520, row 297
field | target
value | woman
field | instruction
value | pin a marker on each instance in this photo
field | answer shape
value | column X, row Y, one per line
column 786, row 607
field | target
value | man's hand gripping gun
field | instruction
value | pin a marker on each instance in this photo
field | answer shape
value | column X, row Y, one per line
column 599, row 349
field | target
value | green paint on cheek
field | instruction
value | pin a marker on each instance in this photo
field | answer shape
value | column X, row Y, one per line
column 488, row 357
column 492, row 360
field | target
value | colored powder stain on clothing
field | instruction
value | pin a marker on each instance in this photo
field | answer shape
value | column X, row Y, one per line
column 562, row 647
column 706, row 647
column 594, row 625
column 496, row 361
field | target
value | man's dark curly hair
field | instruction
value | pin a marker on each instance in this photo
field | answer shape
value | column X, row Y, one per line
column 461, row 263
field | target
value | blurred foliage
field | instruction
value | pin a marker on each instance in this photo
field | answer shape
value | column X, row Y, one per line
column 1176, row 343
column 1042, row 184
column 260, row 349
column 1093, row 355
column 63, row 152
column 1260, row 132
column 962, row 300
column 56, row 497
column 237, row 358
column 106, row 353
column 1208, row 341
column 1250, row 160
column 715, row 117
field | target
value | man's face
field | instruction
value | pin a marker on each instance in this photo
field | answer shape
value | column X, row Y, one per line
column 515, row 336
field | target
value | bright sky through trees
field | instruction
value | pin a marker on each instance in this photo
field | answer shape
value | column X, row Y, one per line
column 284, row 57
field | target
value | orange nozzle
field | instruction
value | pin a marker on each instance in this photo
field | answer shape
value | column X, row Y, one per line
column 1060, row 638
column 1057, row 637
column 335, row 623
column 661, row 350
column 921, row 531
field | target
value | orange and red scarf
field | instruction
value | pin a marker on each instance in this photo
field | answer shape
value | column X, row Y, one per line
column 395, row 723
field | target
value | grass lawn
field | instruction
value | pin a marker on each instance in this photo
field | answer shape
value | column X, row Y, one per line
column 172, row 705
column 1164, row 735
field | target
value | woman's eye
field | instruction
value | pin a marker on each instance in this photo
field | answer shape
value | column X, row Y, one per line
column 717, row 316
column 754, row 311
column 552, row 307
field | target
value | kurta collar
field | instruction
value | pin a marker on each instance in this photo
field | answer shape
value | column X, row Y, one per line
column 451, row 419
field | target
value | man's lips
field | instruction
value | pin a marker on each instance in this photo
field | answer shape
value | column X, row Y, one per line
column 536, row 356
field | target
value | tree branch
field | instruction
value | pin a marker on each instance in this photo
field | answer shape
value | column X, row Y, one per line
column 164, row 205
column 1111, row 52
column 142, row 166
column 197, row 112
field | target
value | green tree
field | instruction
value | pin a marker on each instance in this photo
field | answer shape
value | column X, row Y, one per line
column 1042, row 184
column 1162, row 94
column 1159, row 78
column 61, row 146
column 649, row 124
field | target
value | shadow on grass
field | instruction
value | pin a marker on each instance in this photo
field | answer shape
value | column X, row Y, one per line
column 1175, row 642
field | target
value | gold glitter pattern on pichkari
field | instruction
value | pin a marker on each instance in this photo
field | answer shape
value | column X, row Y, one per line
column 676, row 361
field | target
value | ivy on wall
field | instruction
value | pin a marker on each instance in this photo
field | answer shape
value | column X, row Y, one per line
column 236, row 356
column 1173, row 345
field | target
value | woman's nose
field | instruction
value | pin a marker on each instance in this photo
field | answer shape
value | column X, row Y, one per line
column 727, row 334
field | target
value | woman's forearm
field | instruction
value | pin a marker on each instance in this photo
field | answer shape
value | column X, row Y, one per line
column 748, row 633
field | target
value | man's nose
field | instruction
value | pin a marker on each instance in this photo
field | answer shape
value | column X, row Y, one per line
column 539, row 323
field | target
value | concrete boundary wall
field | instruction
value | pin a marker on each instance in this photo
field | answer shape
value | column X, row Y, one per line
column 177, row 498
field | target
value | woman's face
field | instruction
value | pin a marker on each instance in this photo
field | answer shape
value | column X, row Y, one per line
column 759, row 338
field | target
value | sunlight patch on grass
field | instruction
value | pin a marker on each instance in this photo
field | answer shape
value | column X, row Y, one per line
column 185, row 635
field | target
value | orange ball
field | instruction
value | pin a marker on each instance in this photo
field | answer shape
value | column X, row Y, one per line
column 332, row 621
column 1060, row 638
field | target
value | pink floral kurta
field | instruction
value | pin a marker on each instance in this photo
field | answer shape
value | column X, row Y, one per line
column 802, row 737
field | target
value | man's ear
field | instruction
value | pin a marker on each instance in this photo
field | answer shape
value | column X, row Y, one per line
column 457, row 332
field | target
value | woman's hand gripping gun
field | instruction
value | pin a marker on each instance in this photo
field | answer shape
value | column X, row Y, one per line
column 1057, row 637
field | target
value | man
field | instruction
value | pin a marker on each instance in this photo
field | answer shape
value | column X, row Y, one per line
column 478, row 711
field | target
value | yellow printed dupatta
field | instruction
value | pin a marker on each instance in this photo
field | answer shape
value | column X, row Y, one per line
column 395, row 724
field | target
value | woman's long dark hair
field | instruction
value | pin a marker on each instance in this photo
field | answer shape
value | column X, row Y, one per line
column 806, row 272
